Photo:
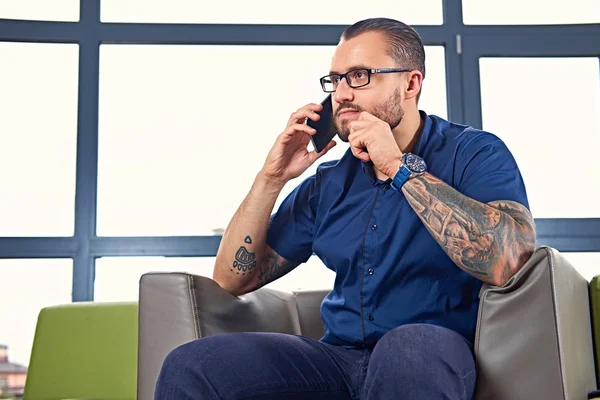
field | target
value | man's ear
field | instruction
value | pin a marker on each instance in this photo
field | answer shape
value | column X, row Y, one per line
column 413, row 87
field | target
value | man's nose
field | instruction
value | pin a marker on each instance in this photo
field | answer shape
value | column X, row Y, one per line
column 343, row 92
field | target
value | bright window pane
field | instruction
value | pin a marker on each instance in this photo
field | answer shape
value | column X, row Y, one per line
column 181, row 144
column 27, row 287
column 117, row 278
column 552, row 127
column 433, row 97
column 38, row 131
column 425, row 12
column 40, row 10
column 530, row 12
column 587, row 264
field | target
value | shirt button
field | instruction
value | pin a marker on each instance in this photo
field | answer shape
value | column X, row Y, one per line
column 371, row 271
column 371, row 318
column 374, row 227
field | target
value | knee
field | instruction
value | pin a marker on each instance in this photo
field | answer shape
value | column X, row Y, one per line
column 421, row 361
column 184, row 356
column 188, row 370
column 198, row 357
column 423, row 348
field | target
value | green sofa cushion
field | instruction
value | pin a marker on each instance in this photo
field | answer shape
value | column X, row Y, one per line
column 86, row 351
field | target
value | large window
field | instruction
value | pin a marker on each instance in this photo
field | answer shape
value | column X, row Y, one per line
column 553, row 135
column 178, row 124
column 130, row 131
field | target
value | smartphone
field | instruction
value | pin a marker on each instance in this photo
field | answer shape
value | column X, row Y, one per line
column 324, row 127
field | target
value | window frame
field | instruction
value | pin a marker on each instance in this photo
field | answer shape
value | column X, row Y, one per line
column 463, row 45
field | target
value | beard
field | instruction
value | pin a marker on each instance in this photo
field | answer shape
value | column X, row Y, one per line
column 390, row 111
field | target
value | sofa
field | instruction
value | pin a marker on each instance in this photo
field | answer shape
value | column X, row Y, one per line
column 534, row 337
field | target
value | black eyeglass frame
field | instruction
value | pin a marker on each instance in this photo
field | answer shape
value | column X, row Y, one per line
column 370, row 71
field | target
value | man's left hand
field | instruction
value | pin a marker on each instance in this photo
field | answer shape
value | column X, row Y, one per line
column 371, row 139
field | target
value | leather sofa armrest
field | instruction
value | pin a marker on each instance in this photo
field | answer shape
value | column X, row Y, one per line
column 534, row 337
column 176, row 308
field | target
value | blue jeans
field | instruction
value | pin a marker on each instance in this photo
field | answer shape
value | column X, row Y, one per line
column 416, row 361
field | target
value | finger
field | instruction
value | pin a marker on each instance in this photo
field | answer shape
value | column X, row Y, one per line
column 365, row 115
column 314, row 156
column 357, row 125
column 314, row 116
column 301, row 115
column 295, row 128
column 313, row 107
column 361, row 154
column 359, row 149
column 357, row 135
column 358, row 145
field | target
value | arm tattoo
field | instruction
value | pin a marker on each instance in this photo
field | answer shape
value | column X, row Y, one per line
column 271, row 267
column 244, row 261
column 489, row 241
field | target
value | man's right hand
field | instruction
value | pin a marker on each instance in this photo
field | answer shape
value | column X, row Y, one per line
column 289, row 157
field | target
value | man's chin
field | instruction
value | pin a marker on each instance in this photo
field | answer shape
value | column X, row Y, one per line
column 343, row 136
column 342, row 133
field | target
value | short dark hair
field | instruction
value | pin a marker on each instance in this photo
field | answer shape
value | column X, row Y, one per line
column 404, row 43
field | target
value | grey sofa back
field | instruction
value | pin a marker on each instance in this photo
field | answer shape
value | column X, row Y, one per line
column 533, row 340
column 534, row 335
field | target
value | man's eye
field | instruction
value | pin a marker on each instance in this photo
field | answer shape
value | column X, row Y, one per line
column 335, row 79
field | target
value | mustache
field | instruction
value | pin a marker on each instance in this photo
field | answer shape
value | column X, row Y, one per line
column 345, row 106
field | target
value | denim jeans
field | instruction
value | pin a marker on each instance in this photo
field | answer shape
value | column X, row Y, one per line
column 416, row 361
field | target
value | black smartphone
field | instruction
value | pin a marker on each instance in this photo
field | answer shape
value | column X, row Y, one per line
column 324, row 127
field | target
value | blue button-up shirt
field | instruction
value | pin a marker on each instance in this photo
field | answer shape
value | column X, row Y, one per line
column 389, row 269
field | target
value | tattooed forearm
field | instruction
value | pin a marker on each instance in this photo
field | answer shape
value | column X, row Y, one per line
column 268, row 268
column 272, row 267
column 489, row 241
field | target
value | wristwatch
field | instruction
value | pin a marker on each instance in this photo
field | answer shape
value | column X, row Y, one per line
column 412, row 165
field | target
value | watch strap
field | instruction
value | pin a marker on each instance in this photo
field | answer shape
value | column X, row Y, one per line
column 401, row 177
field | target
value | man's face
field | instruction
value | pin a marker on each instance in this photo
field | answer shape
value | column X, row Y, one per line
column 382, row 97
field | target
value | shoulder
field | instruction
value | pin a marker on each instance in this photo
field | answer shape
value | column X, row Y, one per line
column 467, row 141
column 463, row 134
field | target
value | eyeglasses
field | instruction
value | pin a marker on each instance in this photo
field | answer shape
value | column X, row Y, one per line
column 355, row 78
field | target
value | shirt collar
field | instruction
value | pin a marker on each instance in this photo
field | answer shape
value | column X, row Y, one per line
column 367, row 167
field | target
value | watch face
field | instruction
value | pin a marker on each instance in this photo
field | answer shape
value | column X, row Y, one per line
column 415, row 163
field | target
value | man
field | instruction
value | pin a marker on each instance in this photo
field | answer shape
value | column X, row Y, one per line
column 413, row 218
